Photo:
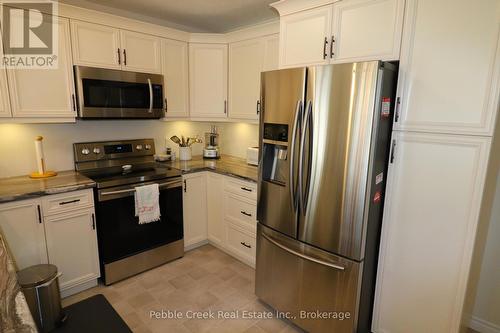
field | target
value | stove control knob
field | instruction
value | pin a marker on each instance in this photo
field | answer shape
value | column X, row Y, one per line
column 138, row 147
column 148, row 147
column 97, row 150
column 85, row 151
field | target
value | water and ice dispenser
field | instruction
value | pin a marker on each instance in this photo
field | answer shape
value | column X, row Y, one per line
column 275, row 153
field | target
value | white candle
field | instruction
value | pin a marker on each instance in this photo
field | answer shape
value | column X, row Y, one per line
column 39, row 155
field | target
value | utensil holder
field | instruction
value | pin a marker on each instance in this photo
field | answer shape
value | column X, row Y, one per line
column 184, row 153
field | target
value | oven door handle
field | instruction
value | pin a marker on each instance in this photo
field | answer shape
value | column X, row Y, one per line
column 150, row 96
column 175, row 183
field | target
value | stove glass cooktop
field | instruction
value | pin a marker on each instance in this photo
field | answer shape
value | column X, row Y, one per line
column 114, row 177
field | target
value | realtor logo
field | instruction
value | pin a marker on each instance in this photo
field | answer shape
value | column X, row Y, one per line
column 29, row 34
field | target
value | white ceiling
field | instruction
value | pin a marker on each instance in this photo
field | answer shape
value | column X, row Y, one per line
column 215, row 16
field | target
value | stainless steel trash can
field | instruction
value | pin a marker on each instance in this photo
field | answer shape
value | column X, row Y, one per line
column 40, row 286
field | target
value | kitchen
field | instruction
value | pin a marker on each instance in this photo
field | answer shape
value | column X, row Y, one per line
column 434, row 177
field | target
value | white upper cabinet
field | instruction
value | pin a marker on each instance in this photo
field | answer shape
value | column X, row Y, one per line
column 304, row 37
column 271, row 53
column 345, row 31
column 208, row 80
column 175, row 76
column 22, row 225
column 450, row 66
column 4, row 95
column 45, row 93
column 141, row 52
column 96, row 45
column 366, row 30
column 431, row 211
column 246, row 62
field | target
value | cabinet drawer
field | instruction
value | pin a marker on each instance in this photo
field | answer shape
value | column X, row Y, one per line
column 240, row 210
column 64, row 202
column 241, row 242
column 241, row 187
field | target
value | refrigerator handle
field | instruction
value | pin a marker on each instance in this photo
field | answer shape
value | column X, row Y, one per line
column 301, row 255
column 304, row 190
column 297, row 123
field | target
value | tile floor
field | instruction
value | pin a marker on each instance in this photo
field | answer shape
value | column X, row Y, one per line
column 204, row 279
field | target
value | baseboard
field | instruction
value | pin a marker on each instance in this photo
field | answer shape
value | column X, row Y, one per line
column 483, row 326
column 78, row 288
column 195, row 245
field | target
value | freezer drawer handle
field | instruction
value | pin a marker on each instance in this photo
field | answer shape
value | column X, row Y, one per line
column 303, row 256
column 246, row 245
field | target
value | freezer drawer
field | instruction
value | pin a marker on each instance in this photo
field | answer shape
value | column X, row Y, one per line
column 305, row 282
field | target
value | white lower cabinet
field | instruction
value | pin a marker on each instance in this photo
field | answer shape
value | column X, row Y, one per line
column 72, row 246
column 435, row 185
column 215, row 188
column 36, row 233
column 21, row 224
column 194, row 202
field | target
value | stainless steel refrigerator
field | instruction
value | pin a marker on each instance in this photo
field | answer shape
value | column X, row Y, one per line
column 324, row 150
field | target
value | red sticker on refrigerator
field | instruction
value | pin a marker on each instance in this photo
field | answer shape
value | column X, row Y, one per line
column 386, row 107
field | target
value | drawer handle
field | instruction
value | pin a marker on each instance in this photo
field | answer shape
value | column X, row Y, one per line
column 62, row 203
column 246, row 189
column 245, row 213
column 246, row 245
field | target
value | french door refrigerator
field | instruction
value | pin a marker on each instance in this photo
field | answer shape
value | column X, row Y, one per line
column 324, row 150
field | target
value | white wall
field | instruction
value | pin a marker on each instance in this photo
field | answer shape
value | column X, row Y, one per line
column 486, row 314
column 17, row 148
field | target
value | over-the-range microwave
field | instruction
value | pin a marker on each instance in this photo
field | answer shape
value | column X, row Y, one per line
column 115, row 94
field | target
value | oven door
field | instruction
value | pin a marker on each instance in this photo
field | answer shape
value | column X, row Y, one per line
column 106, row 93
column 118, row 230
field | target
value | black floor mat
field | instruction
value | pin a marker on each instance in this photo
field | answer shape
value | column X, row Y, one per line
column 93, row 314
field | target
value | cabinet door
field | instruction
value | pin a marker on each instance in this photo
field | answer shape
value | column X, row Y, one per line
column 208, row 80
column 95, row 45
column 271, row 53
column 45, row 93
column 449, row 77
column 4, row 95
column 367, row 30
column 72, row 246
column 246, row 60
column 22, row 225
column 195, row 209
column 141, row 52
column 175, row 75
column 215, row 191
column 305, row 37
column 434, row 192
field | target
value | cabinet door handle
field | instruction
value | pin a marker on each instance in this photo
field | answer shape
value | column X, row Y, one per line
column 246, row 189
column 398, row 105
column 324, row 48
column 258, row 107
column 246, row 245
column 73, row 101
column 125, row 57
column 39, row 213
column 185, row 186
column 225, row 106
column 166, row 105
column 393, row 150
column 62, row 203
column 119, row 57
column 93, row 221
column 331, row 47
column 245, row 213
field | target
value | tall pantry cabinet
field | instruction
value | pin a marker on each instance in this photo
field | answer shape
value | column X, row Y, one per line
column 445, row 113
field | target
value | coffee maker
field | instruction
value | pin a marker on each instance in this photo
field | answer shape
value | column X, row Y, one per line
column 211, row 149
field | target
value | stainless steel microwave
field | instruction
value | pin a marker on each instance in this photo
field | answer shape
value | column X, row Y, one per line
column 115, row 94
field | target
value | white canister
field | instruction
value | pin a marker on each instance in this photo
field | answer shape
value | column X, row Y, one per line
column 184, row 153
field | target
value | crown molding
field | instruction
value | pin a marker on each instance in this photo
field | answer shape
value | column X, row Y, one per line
column 286, row 7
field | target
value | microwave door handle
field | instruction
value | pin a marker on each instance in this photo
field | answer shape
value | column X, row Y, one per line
column 150, row 96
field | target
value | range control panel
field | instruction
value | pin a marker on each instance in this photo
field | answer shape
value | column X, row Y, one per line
column 95, row 151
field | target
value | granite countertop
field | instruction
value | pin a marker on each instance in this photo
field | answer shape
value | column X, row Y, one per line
column 226, row 165
column 23, row 187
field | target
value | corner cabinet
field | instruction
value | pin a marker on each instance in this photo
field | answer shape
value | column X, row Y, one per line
column 208, row 80
column 45, row 93
column 435, row 186
column 247, row 59
column 345, row 31
column 194, row 202
column 215, row 190
column 97, row 45
column 59, row 229
column 175, row 75
column 446, row 85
